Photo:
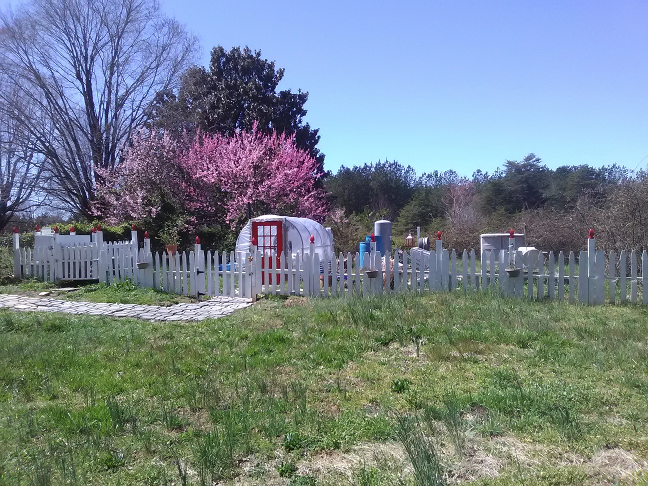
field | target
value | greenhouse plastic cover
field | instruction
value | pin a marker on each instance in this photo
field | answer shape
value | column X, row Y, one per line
column 296, row 236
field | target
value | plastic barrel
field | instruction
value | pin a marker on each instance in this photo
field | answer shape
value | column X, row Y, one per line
column 365, row 247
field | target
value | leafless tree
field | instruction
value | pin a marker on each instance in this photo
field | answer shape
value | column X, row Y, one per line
column 20, row 166
column 89, row 70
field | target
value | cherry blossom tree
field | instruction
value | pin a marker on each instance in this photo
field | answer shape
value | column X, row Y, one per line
column 252, row 170
column 148, row 182
column 212, row 179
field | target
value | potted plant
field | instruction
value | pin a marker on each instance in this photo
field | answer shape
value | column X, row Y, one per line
column 170, row 234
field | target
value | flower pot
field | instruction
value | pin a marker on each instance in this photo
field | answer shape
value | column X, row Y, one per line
column 171, row 249
column 513, row 272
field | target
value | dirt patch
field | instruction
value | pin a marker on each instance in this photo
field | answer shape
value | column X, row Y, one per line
column 294, row 301
column 615, row 463
column 369, row 454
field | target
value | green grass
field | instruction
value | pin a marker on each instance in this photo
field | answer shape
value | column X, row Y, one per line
column 411, row 389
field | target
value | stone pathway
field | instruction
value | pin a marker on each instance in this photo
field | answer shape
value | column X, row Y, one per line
column 212, row 308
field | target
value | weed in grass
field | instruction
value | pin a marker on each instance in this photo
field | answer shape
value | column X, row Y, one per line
column 213, row 458
column 368, row 476
column 491, row 425
column 286, row 469
column 400, row 385
column 293, row 441
column 454, row 422
column 42, row 475
column 566, row 420
column 120, row 415
column 182, row 471
column 170, row 420
column 302, row 481
column 113, row 459
column 421, row 452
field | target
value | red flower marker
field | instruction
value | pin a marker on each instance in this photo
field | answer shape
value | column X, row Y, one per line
column 511, row 234
column 438, row 235
column 373, row 238
column 94, row 229
column 37, row 228
column 591, row 233
column 72, row 230
column 99, row 228
column 146, row 235
column 56, row 230
column 132, row 227
column 16, row 229
column 254, row 241
column 197, row 240
column 312, row 239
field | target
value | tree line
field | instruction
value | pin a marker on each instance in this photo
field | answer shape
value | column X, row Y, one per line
column 553, row 207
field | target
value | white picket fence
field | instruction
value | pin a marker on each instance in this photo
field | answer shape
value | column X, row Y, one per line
column 593, row 278
column 189, row 273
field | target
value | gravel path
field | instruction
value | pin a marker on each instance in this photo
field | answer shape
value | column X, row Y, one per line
column 212, row 308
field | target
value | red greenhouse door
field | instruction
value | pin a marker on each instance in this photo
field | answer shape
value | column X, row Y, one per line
column 269, row 238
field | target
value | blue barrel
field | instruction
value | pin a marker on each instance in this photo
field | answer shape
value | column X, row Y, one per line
column 365, row 247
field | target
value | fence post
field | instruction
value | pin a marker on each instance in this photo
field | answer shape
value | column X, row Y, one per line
column 439, row 262
column 16, row 253
column 147, row 274
column 199, row 272
column 252, row 274
column 591, row 268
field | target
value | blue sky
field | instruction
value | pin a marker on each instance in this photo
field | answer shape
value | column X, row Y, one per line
column 454, row 84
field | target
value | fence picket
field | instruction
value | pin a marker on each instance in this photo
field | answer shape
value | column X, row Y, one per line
column 644, row 272
column 633, row 277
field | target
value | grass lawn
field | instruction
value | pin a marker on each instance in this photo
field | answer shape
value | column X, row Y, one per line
column 432, row 389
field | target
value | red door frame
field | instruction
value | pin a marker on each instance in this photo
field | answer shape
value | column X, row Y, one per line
column 269, row 238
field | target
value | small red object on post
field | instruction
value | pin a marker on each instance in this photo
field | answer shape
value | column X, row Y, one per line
column 591, row 233
column 99, row 228
column 254, row 241
column 35, row 229
column 146, row 235
column 72, row 230
column 438, row 235
column 312, row 239
column 132, row 227
column 16, row 229
column 373, row 238
column 511, row 234
column 56, row 230
column 197, row 240
column 94, row 229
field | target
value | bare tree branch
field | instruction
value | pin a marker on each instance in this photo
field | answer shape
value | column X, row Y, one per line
column 90, row 69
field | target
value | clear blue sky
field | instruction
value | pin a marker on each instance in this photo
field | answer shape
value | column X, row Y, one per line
column 454, row 84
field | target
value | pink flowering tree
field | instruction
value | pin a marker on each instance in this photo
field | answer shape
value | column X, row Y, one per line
column 267, row 173
column 147, row 183
column 213, row 179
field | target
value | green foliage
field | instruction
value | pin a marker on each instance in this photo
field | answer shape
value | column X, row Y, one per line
column 421, row 452
column 286, row 469
column 384, row 187
column 238, row 90
column 400, row 385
